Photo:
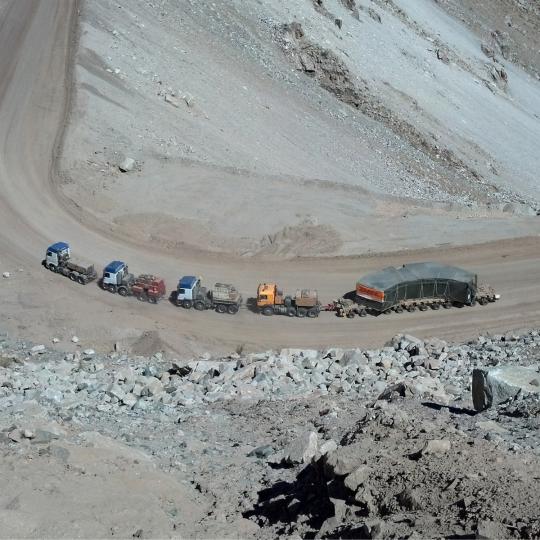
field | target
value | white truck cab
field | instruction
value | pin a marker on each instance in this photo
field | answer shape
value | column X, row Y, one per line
column 56, row 253
column 188, row 290
column 114, row 273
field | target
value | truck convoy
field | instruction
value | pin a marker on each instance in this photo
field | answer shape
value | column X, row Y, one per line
column 224, row 298
column 146, row 287
column 271, row 300
column 407, row 288
column 58, row 259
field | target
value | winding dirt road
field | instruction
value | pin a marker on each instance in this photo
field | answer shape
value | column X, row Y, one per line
column 35, row 41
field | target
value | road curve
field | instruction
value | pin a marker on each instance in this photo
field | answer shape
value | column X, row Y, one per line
column 35, row 41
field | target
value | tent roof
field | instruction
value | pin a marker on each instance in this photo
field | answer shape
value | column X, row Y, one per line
column 390, row 276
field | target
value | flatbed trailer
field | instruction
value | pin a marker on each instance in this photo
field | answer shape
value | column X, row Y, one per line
column 417, row 286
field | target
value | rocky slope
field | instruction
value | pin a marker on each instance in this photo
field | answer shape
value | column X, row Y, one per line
column 335, row 443
column 307, row 121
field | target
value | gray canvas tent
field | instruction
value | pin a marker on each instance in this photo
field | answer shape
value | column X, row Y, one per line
column 384, row 289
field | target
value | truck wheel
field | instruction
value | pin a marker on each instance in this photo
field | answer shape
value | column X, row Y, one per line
column 122, row 291
column 301, row 312
column 221, row 308
column 232, row 309
column 435, row 306
column 51, row 267
column 313, row 312
column 422, row 307
column 141, row 297
column 398, row 309
column 73, row 276
column 268, row 310
column 187, row 304
column 291, row 312
column 447, row 305
column 152, row 299
column 111, row 288
column 363, row 313
column 80, row 280
column 199, row 305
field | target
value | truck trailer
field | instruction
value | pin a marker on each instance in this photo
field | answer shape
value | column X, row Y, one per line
column 272, row 301
column 420, row 286
column 145, row 287
column 223, row 297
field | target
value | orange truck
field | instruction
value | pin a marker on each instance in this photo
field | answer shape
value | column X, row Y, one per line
column 272, row 301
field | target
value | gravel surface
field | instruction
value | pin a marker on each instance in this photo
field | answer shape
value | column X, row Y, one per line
column 353, row 443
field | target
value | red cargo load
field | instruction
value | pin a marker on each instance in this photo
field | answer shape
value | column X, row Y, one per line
column 149, row 287
column 369, row 293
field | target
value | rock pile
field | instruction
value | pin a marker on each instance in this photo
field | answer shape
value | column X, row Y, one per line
column 314, row 443
column 432, row 370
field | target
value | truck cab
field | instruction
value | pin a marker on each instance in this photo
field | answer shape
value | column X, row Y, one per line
column 56, row 255
column 116, row 278
column 268, row 294
column 189, row 289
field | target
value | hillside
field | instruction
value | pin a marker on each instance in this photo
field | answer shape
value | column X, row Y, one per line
column 306, row 127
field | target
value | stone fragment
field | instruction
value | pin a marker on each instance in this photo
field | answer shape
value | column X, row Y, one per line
column 443, row 56
column 497, row 385
column 127, row 165
column 488, row 51
column 491, row 426
column 172, row 100
column 129, row 400
column 436, row 446
column 344, row 460
column 43, row 437
column 357, row 477
column 327, row 447
column 432, row 363
column 374, row 15
column 409, row 499
column 38, row 349
column 262, row 451
column 301, row 450
column 492, row 530
column 400, row 389
column 16, row 435
column 153, row 387
column 116, row 391
column 75, row 339
column 126, row 374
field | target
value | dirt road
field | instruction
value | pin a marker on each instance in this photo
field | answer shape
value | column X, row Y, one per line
column 35, row 39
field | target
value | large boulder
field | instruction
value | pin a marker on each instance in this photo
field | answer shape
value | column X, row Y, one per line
column 497, row 385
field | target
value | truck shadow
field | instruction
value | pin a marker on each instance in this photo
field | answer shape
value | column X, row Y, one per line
column 251, row 304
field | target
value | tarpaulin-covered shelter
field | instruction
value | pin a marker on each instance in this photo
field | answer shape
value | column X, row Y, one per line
column 382, row 290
